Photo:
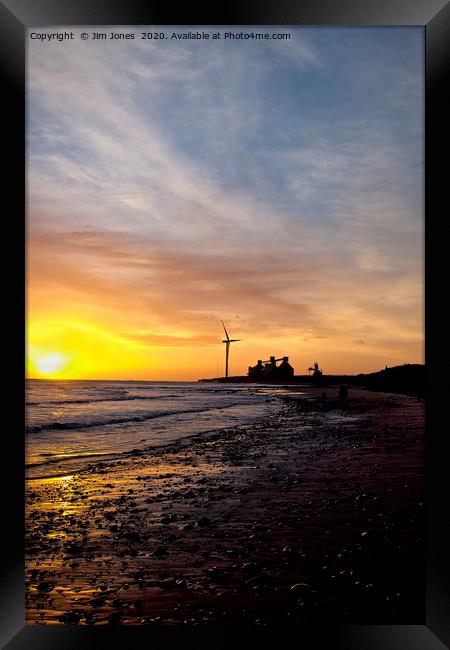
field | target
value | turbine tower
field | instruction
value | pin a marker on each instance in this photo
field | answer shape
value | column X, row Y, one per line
column 227, row 342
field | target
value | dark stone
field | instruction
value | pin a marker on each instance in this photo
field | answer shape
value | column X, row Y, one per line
column 251, row 567
column 132, row 535
column 71, row 618
column 117, row 602
column 218, row 575
column 204, row 521
column 161, row 550
column 300, row 588
column 74, row 548
column 172, row 583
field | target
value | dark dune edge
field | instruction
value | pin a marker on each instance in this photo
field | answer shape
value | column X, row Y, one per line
column 408, row 379
column 309, row 515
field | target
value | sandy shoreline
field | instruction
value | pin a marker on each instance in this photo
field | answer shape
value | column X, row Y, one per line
column 303, row 516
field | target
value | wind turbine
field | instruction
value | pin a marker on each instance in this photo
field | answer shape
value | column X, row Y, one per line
column 227, row 342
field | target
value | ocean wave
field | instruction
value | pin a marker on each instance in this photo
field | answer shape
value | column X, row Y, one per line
column 100, row 399
column 141, row 417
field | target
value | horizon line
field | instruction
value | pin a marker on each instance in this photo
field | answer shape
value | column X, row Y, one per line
column 331, row 374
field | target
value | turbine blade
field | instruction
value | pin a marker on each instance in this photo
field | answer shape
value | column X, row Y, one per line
column 226, row 333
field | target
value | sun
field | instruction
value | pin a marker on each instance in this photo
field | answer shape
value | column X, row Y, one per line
column 52, row 363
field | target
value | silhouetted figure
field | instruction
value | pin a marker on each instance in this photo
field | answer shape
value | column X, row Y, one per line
column 324, row 401
column 343, row 394
column 316, row 374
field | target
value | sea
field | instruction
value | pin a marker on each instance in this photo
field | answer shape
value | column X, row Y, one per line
column 73, row 424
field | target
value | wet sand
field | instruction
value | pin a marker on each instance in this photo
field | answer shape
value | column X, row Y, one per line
column 313, row 513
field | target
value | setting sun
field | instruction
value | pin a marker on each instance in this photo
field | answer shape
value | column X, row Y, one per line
column 51, row 364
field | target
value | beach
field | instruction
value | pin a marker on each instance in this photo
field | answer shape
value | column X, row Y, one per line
column 310, row 511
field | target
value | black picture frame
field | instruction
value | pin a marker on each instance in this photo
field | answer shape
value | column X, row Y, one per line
column 433, row 633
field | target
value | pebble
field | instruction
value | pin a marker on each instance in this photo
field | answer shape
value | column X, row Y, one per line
column 300, row 587
column 73, row 548
column 204, row 521
column 132, row 535
column 172, row 583
column 161, row 550
column 70, row 618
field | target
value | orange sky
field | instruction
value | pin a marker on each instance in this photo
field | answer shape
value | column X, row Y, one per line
column 91, row 315
column 289, row 206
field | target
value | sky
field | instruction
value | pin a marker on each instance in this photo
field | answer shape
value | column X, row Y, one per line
column 276, row 185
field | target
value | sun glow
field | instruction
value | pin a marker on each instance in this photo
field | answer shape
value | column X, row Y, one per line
column 51, row 364
column 63, row 346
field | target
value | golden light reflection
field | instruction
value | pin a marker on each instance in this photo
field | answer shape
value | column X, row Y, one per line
column 67, row 487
